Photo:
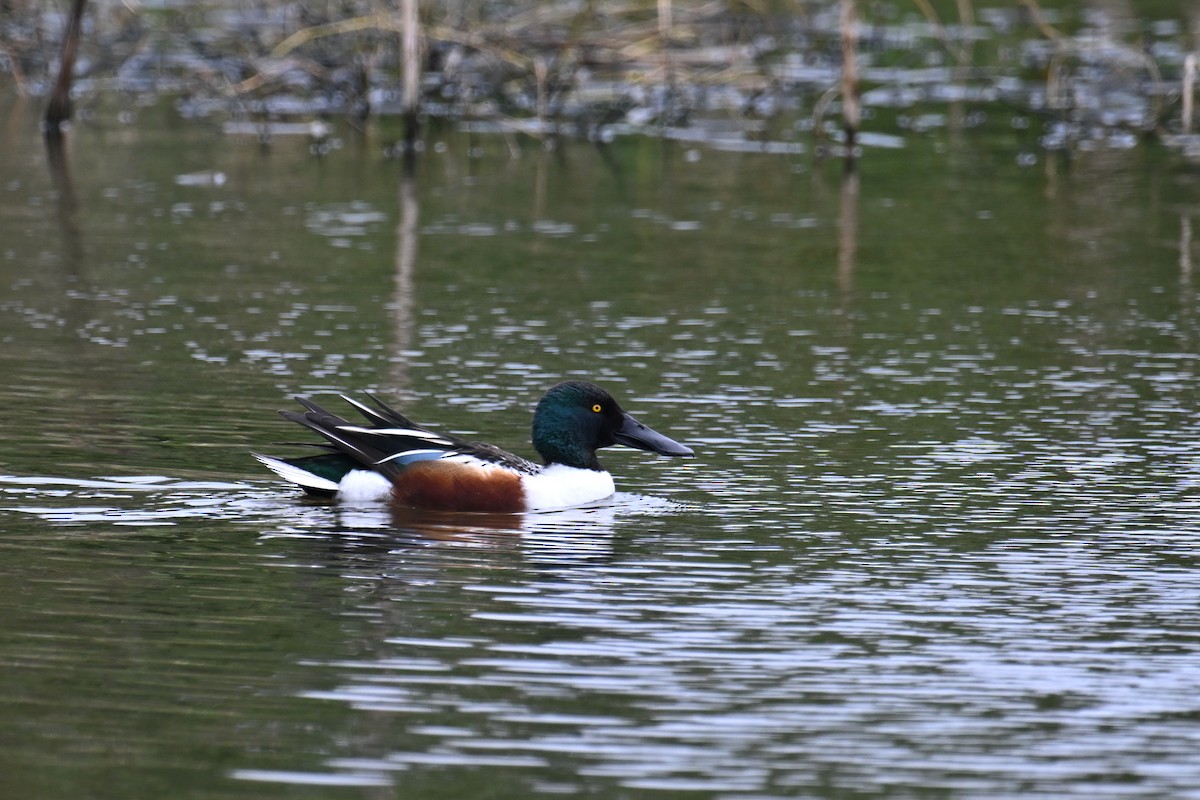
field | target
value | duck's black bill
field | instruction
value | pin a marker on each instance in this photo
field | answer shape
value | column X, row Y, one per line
column 634, row 434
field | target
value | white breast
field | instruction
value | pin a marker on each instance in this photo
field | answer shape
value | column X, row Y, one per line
column 559, row 486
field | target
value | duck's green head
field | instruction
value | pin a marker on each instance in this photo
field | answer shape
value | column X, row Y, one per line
column 576, row 418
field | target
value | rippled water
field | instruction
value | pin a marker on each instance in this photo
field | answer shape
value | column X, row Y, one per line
column 939, row 539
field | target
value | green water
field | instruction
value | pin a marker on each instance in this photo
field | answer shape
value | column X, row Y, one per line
column 939, row 538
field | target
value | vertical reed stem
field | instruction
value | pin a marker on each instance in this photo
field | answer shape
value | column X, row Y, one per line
column 851, row 110
column 411, row 55
column 1189, row 87
column 966, row 18
column 966, row 14
column 665, row 22
column 58, row 110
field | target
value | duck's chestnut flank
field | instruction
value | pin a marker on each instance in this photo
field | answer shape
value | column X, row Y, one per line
column 452, row 486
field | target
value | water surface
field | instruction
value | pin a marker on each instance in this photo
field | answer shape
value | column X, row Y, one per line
column 939, row 538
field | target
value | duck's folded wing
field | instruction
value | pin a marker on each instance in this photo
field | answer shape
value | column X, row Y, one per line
column 394, row 442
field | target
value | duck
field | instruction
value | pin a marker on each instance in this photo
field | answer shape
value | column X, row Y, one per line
column 393, row 459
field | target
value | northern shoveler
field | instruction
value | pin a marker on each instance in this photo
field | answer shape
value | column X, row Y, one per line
column 398, row 460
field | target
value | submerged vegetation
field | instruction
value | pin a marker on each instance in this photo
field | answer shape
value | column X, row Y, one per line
column 779, row 75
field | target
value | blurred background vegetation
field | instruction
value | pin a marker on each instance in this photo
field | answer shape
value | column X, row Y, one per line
column 1108, row 71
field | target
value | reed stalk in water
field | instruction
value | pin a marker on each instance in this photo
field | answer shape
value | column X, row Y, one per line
column 851, row 109
column 411, row 57
column 58, row 110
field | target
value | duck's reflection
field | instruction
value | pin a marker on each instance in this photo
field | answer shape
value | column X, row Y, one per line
column 565, row 535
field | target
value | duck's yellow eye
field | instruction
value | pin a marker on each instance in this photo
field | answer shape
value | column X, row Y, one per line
column 596, row 408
